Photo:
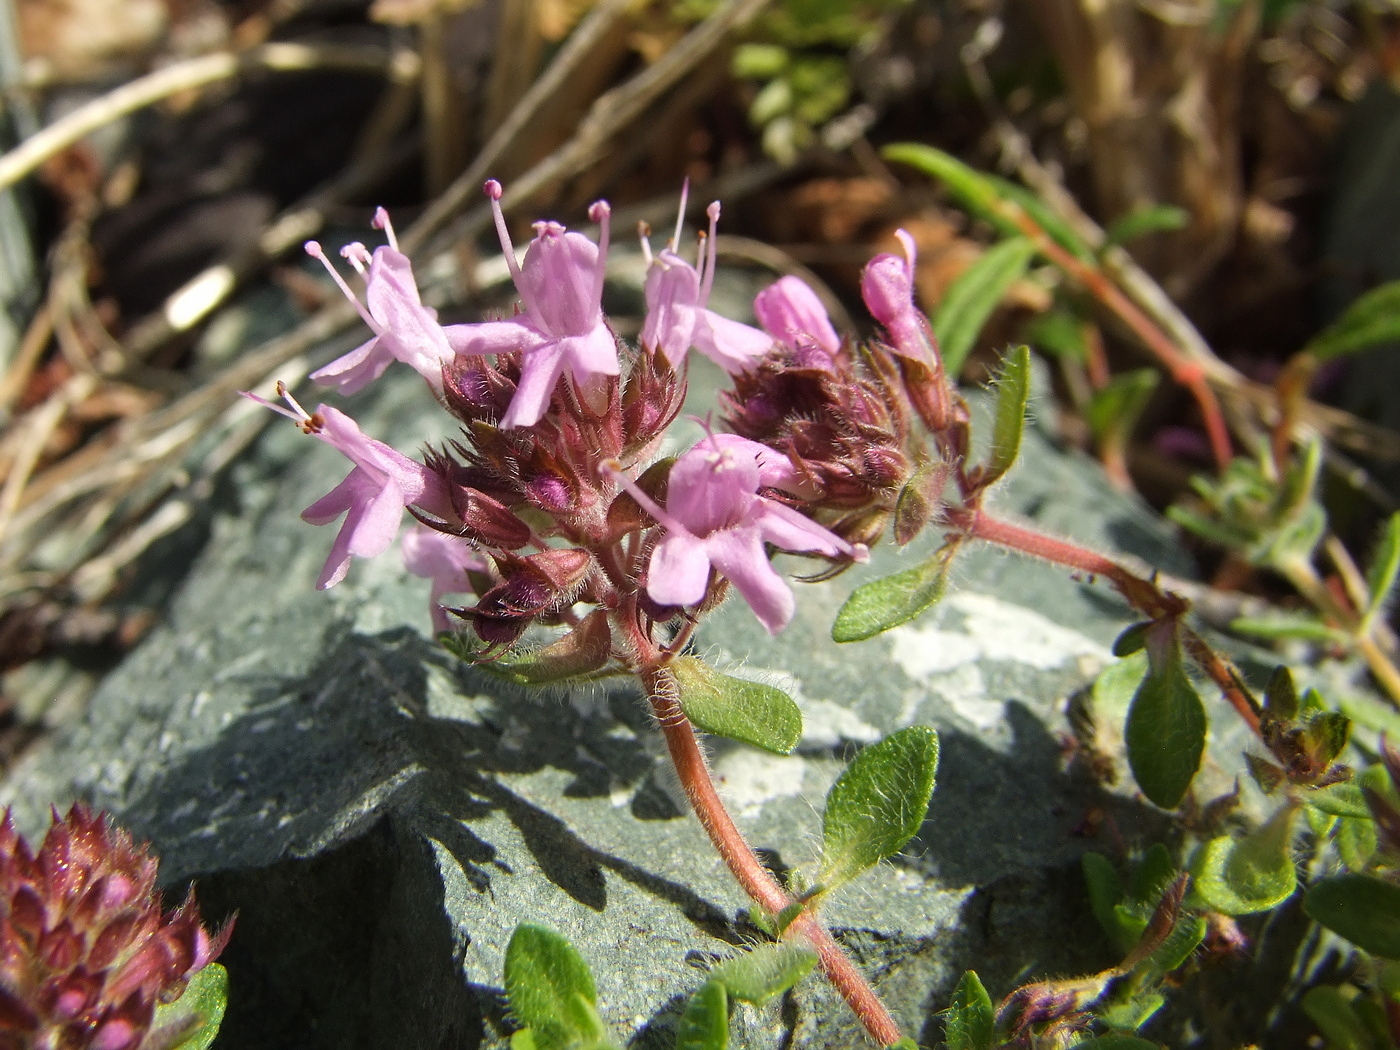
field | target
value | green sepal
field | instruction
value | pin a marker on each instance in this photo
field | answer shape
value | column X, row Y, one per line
column 757, row 714
column 704, row 1025
column 882, row 604
column 581, row 652
column 1240, row 876
column 878, row 803
column 1166, row 726
column 192, row 1021
column 769, row 969
column 969, row 1023
column 551, row 991
column 1364, row 910
column 971, row 298
column 1013, row 391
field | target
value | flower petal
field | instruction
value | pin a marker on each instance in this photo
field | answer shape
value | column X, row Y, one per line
column 739, row 556
column 539, row 374
column 679, row 571
column 733, row 346
column 350, row 373
column 792, row 531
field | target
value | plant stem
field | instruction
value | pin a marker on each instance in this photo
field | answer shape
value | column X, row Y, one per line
column 1143, row 595
column 743, row 863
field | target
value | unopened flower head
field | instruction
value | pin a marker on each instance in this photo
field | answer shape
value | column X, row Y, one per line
column 86, row 951
column 792, row 314
column 887, row 286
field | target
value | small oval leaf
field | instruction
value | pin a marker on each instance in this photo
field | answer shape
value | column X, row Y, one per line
column 551, row 989
column 197, row 1014
column 705, row 1023
column 1166, row 728
column 768, row 970
column 970, row 1021
column 1250, row 874
column 1340, row 800
column 882, row 604
column 757, row 714
column 878, row 803
column 1013, row 389
column 1364, row 910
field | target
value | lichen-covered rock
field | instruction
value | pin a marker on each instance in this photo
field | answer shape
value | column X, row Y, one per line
column 382, row 818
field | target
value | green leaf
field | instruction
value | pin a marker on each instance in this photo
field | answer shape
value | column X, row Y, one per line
column 197, row 1014
column 879, row 605
column 1364, row 910
column 970, row 1021
column 1059, row 333
column 759, row 61
column 1340, row 800
column 770, row 969
column 1131, row 639
column 1116, row 685
column 1118, row 1041
column 1186, row 936
column 1114, row 409
column 1133, row 1013
column 878, row 803
column 1372, row 713
column 1154, row 218
column 1166, row 729
column 551, row 989
column 1385, row 566
column 705, row 1023
column 583, row 650
column 1278, row 626
column 970, row 299
column 1336, row 1019
column 1250, row 874
column 1013, row 388
column 1281, row 696
column 1105, row 892
column 761, row 715
column 1152, row 875
column 1372, row 319
column 1356, row 841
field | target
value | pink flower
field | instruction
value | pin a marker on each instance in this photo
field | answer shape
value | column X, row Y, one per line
column 443, row 559
column 677, row 318
column 373, row 495
column 792, row 314
column 715, row 518
column 887, row 286
column 404, row 329
column 561, row 328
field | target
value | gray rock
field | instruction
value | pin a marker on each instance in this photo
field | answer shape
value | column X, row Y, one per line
column 382, row 817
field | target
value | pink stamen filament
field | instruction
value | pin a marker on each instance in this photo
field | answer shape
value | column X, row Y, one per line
column 493, row 191
column 613, row 468
column 313, row 249
column 381, row 222
column 708, row 279
column 675, row 241
column 601, row 213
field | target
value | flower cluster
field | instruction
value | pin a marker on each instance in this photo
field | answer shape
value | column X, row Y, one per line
column 551, row 498
column 86, row 953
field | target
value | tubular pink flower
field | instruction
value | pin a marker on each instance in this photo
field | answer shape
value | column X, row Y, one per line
column 443, row 559
column 404, row 329
column 715, row 518
column 561, row 327
column 677, row 318
column 887, row 286
column 792, row 314
column 373, row 495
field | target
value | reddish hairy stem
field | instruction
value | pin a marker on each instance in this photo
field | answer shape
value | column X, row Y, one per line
column 1143, row 595
column 739, row 856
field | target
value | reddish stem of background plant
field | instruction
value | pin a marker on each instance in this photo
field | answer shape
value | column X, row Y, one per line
column 744, row 864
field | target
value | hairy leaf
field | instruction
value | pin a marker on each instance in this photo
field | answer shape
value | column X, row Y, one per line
column 705, row 1023
column 1364, row 910
column 757, row 714
column 769, row 969
column 1013, row 389
column 1240, row 876
column 879, row 605
column 198, row 1013
column 1166, row 728
column 970, row 1021
column 551, row 989
column 878, row 803
column 1385, row 566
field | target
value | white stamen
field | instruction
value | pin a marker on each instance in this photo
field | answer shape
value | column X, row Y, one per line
column 675, row 241
column 381, row 222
